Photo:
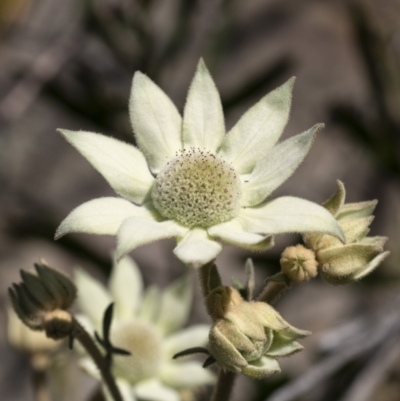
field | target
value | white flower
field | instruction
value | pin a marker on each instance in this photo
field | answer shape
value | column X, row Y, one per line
column 188, row 179
column 148, row 325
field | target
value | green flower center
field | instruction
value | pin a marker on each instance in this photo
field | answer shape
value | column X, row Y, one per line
column 144, row 344
column 197, row 189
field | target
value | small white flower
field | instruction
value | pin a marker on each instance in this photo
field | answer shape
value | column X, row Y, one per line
column 190, row 180
column 148, row 325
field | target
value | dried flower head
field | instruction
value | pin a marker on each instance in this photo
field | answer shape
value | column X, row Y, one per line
column 41, row 300
column 188, row 179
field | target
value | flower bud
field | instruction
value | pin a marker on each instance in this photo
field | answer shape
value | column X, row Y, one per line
column 298, row 263
column 40, row 300
column 340, row 263
column 247, row 337
column 26, row 340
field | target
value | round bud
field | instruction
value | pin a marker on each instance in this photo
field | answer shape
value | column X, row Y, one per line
column 298, row 263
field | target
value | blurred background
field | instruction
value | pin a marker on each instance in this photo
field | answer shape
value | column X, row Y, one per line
column 69, row 64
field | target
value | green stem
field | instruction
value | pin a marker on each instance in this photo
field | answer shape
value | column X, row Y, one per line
column 223, row 388
column 87, row 342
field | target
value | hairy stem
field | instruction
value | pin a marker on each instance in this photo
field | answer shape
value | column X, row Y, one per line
column 87, row 342
column 273, row 291
column 223, row 388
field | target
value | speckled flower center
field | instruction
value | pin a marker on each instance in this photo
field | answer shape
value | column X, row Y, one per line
column 197, row 189
column 144, row 344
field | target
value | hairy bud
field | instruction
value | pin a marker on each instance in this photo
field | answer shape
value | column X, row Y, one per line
column 340, row 263
column 247, row 337
column 40, row 301
column 298, row 263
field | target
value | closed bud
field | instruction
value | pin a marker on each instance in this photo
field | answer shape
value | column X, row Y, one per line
column 298, row 263
column 248, row 336
column 40, row 301
column 340, row 263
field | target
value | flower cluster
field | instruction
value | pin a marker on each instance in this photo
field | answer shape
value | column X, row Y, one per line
column 190, row 180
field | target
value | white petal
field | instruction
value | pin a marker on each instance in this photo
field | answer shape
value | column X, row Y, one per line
column 276, row 166
column 126, row 286
column 137, row 231
column 203, row 118
column 232, row 232
column 93, row 298
column 121, row 164
column 289, row 214
column 258, row 129
column 196, row 249
column 150, row 306
column 176, row 303
column 194, row 336
column 156, row 122
column 186, row 375
column 101, row 216
column 153, row 390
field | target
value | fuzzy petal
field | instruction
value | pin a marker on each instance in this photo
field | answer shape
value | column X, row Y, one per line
column 153, row 390
column 203, row 118
column 233, row 233
column 135, row 232
column 289, row 214
column 371, row 266
column 176, row 302
column 258, row 129
column 121, row 164
column 93, row 298
column 359, row 209
column 347, row 260
column 101, row 216
column 276, row 166
column 185, row 375
column 284, row 349
column 336, row 202
column 126, row 287
column 196, row 248
column 150, row 306
column 194, row 336
column 262, row 367
column 156, row 122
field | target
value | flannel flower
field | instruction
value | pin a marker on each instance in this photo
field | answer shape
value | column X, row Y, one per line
column 190, row 180
column 148, row 324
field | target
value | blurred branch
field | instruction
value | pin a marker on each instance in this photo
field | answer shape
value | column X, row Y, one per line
column 47, row 65
column 365, row 384
column 380, row 135
column 38, row 220
column 386, row 327
column 257, row 85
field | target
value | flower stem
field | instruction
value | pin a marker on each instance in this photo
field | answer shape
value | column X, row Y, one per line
column 223, row 388
column 39, row 381
column 87, row 342
column 273, row 291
